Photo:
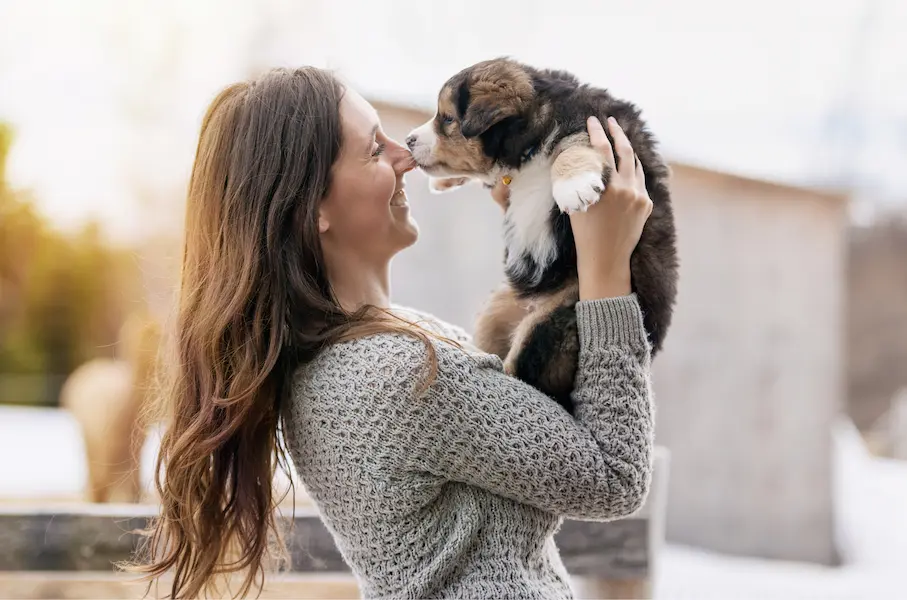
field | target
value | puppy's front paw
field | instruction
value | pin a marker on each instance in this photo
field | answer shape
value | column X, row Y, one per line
column 578, row 192
column 439, row 185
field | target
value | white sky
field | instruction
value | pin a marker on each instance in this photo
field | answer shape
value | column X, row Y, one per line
column 106, row 95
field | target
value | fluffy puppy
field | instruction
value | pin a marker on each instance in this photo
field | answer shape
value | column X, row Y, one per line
column 501, row 118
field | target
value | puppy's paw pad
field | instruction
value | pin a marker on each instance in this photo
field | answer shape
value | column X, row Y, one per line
column 578, row 192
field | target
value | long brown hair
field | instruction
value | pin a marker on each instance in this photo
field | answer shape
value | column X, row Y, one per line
column 254, row 303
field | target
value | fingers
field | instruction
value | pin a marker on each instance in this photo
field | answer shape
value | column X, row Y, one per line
column 621, row 145
column 640, row 176
column 599, row 140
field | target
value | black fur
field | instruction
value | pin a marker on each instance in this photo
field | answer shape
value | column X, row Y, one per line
column 555, row 275
column 554, row 336
column 462, row 98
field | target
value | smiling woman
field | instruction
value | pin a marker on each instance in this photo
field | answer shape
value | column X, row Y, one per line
column 365, row 216
column 436, row 473
column 289, row 231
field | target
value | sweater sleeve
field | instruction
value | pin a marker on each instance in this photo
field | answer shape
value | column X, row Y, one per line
column 475, row 424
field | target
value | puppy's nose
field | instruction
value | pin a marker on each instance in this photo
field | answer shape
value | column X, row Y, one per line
column 410, row 141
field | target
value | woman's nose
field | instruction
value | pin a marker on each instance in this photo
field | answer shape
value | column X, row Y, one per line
column 403, row 159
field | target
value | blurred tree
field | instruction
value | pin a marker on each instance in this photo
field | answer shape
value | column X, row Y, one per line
column 62, row 298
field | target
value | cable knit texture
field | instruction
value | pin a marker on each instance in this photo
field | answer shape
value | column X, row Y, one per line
column 458, row 491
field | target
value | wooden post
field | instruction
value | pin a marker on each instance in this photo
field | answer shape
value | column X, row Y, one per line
column 628, row 570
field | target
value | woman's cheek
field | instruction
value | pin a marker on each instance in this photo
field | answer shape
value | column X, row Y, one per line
column 386, row 181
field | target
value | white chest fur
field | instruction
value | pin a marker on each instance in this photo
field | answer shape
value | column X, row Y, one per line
column 527, row 222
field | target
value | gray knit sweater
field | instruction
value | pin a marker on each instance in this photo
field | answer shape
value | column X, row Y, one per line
column 458, row 492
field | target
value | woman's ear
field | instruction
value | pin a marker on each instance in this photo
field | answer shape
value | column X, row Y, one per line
column 323, row 224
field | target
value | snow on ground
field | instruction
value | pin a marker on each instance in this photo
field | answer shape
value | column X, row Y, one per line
column 41, row 456
column 872, row 529
column 41, row 453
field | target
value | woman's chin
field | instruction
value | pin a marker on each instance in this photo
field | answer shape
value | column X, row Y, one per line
column 406, row 230
column 409, row 232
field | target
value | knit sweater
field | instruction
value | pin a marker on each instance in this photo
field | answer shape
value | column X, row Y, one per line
column 458, row 491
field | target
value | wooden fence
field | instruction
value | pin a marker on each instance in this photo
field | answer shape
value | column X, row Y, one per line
column 67, row 551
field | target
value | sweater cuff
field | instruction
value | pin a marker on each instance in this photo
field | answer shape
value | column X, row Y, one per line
column 607, row 321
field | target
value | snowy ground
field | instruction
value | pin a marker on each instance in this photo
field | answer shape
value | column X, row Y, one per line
column 872, row 500
column 872, row 505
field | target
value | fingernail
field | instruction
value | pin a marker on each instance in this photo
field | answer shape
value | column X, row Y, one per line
column 612, row 120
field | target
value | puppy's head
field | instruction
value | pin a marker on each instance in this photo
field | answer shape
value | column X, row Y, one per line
column 476, row 109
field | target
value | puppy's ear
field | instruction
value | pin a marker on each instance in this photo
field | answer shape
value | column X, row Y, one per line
column 439, row 185
column 480, row 116
column 497, row 90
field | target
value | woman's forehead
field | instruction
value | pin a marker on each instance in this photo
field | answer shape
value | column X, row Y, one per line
column 359, row 117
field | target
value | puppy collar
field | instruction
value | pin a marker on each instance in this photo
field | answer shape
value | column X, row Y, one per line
column 529, row 153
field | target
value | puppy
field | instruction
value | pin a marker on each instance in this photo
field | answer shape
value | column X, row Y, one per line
column 501, row 118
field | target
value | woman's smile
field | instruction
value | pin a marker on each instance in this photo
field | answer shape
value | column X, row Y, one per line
column 399, row 198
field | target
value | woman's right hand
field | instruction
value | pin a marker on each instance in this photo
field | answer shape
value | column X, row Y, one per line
column 607, row 233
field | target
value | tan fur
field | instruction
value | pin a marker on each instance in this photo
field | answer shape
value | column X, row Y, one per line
column 503, row 84
column 506, row 324
column 452, row 149
column 575, row 157
column 458, row 153
column 498, row 320
column 539, row 311
column 445, row 102
column 496, row 92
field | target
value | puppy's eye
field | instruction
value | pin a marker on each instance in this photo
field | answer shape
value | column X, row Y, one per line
column 446, row 119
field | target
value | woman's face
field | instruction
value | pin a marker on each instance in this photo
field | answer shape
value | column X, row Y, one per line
column 365, row 214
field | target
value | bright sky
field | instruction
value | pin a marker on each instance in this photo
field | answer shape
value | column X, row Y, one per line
column 106, row 95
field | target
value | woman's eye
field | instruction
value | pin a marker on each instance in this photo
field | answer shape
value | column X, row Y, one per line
column 379, row 150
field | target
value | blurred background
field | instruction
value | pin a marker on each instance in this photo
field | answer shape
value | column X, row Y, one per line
column 782, row 389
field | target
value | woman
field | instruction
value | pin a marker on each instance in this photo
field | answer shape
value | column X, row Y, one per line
column 437, row 474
